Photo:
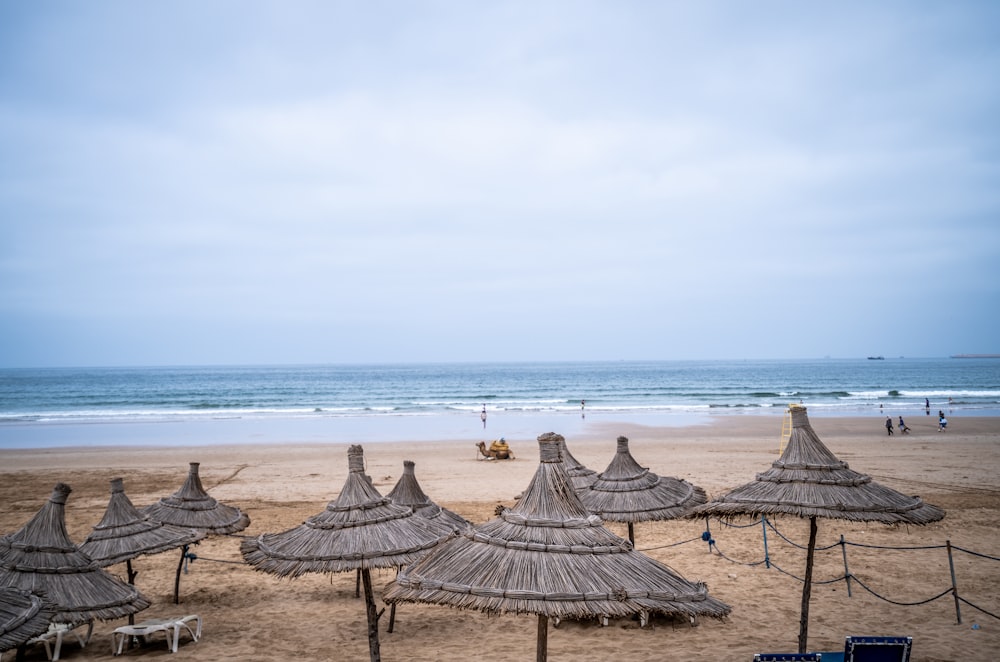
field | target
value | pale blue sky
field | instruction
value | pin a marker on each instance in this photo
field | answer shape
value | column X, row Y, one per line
column 271, row 182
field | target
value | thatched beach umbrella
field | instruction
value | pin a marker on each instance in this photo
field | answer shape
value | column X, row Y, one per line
column 41, row 557
column 359, row 530
column 191, row 507
column 579, row 476
column 23, row 615
column 407, row 492
column 550, row 557
column 124, row 534
column 809, row 481
column 627, row 492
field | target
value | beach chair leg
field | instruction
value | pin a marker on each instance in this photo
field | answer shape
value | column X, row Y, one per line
column 57, row 649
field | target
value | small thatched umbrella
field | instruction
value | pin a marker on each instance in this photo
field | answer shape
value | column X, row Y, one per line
column 191, row 507
column 407, row 492
column 124, row 534
column 359, row 530
column 549, row 556
column 579, row 476
column 627, row 492
column 41, row 557
column 809, row 481
column 23, row 615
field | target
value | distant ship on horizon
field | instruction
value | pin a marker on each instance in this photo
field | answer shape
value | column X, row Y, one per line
column 876, row 358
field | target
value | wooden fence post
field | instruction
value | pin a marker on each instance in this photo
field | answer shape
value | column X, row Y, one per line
column 954, row 584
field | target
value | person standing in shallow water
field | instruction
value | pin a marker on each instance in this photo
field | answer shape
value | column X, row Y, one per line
column 888, row 425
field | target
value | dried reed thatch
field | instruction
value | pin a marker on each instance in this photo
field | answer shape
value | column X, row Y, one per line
column 191, row 507
column 549, row 556
column 407, row 492
column 41, row 557
column 124, row 533
column 580, row 477
column 627, row 492
column 809, row 481
column 23, row 615
column 359, row 530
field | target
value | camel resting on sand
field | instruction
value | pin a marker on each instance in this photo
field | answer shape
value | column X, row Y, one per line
column 498, row 450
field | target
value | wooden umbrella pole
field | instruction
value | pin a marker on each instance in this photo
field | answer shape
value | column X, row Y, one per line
column 807, row 587
column 631, row 534
column 542, row 645
column 373, row 645
column 177, row 579
column 131, row 580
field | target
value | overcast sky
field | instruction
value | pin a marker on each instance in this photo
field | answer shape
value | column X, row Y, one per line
column 297, row 182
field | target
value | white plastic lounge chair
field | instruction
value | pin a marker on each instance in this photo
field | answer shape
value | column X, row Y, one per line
column 53, row 639
column 170, row 627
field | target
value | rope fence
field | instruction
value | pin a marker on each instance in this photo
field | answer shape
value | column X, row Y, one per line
column 848, row 577
column 766, row 525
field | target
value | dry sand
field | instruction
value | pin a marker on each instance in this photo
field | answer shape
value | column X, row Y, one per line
column 252, row 616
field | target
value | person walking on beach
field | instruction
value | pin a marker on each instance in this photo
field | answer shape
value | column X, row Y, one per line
column 482, row 416
column 888, row 425
column 902, row 427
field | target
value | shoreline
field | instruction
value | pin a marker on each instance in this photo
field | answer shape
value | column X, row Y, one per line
column 283, row 484
column 191, row 433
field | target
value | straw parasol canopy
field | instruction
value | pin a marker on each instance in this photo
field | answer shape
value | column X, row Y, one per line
column 41, row 557
column 191, row 507
column 549, row 556
column 809, row 481
column 23, row 615
column 627, row 492
column 359, row 530
column 124, row 533
column 407, row 492
column 579, row 476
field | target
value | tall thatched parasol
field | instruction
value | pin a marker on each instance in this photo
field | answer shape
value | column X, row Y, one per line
column 359, row 530
column 41, row 557
column 627, row 492
column 809, row 481
column 549, row 556
column 407, row 492
column 23, row 615
column 191, row 507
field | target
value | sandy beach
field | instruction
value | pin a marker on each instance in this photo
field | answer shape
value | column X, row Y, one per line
column 252, row 616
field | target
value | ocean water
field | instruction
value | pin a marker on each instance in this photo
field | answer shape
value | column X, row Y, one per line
column 74, row 406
